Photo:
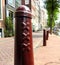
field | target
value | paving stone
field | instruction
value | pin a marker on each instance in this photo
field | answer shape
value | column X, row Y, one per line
column 43, row 55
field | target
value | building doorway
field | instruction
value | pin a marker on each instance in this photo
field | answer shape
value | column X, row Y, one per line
column 11, row 15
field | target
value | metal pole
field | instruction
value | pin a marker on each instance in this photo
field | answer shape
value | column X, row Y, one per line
column 47, row 34
column 23, row 37
column 44, row 37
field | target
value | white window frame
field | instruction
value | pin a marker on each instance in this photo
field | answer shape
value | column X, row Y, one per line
column 1, row 11
column 11, row 4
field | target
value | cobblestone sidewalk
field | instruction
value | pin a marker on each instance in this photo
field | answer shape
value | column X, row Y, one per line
column 50, row 54
column 43, row 55
column 7, row 49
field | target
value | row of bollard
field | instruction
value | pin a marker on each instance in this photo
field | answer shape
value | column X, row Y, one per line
column 45, row 36
column 23, row 37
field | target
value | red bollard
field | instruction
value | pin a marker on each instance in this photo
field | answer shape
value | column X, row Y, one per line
column 47, row 34
column 44, row 37
column 23, row 37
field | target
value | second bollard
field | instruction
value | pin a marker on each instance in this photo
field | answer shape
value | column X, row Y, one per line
column 23, row 37
column 47, row 34
column 44, row 37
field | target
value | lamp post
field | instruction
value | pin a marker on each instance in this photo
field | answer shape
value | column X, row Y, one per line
column 27, row 3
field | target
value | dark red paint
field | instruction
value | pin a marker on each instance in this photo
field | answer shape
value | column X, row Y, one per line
column 44, row 37
column 23, row 37
column 47, row 34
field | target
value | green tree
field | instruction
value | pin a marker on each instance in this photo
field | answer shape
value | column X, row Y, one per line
column 52, row 7
column 8, row 27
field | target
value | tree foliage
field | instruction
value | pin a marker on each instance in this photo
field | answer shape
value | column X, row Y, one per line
column 52, row 7
column 8, row 27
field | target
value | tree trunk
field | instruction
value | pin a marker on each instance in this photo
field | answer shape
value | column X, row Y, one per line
column 50, row 30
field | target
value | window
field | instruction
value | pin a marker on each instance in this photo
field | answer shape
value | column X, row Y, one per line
column 0, row 9
column 11, row 3
column 18, row 3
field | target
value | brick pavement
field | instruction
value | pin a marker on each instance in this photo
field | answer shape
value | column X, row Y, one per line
column 47, row 55
column 37, row 38
column 6, row 51
column 50, row 54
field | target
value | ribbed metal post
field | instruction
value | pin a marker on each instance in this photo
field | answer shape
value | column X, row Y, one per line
column 23, row 37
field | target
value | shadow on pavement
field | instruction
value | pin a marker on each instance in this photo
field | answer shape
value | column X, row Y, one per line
column 52, row 63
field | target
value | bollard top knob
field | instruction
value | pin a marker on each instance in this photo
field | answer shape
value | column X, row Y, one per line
column 24, row 9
